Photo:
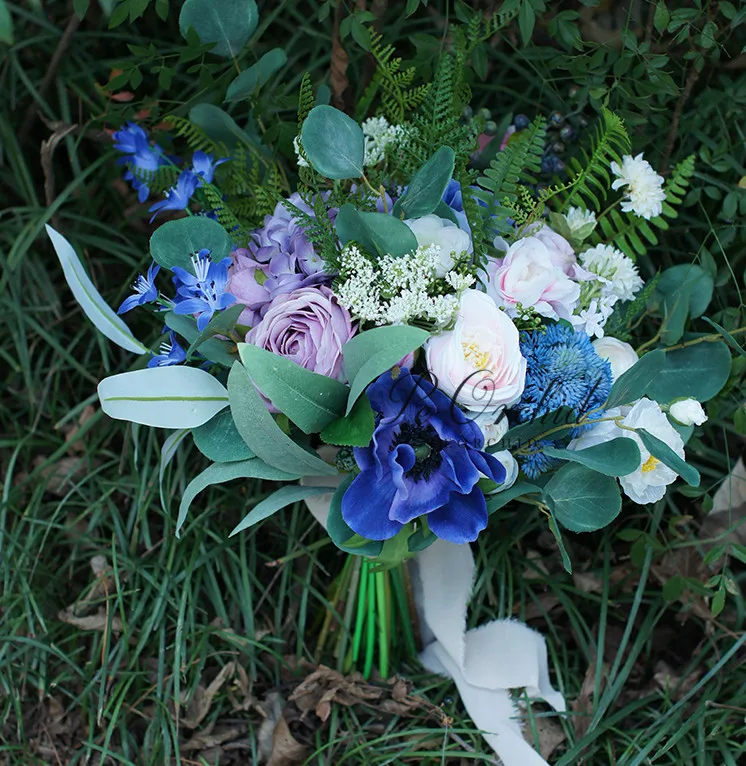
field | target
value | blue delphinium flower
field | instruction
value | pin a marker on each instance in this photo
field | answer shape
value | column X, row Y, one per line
column 145, row 290
column 203, row 167
column 178, row 196
column 562, row 370
column 202, row 293
column 171, row 353
column 425, row 459
column 139, row 156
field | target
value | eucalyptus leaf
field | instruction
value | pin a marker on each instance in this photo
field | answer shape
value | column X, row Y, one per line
column 163, row 397
column 616, row 457
column 262, row 435
column 667, row 456
column 686, row 291
column 310, row 400
column 219, row 440
column 221, row 323
column 353, row 430
column 372, row 352
column 426, row 188
column 501, row 499
column 103, row 317
column 729, row 339
column 219, row 473
column 227, row 23
column 173, row 243
column 334, row 143
column 220, row 127
column 378, row 233
column 582, row 500
column 279, row 499
column 523, row 434
column 340, row 532
column 698, row 371
column 251, row 79
column 215, row 350
column 633, row 384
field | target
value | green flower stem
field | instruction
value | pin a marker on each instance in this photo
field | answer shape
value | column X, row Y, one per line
column 360, row 617
column 344, row 634
column 383, row 624
column 370, row 642
column 402, row 603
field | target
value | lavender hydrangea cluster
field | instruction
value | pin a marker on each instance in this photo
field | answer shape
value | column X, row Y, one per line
column 279, row 260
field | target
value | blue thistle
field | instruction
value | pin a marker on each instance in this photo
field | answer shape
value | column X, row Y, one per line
column 562, row 370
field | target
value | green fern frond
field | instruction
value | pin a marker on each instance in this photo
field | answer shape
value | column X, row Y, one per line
column 196, row 138
column 633, row 234
column 590, row 174
column 159, row 180
column 516, row 165
column 306, row 99
column 318, row 229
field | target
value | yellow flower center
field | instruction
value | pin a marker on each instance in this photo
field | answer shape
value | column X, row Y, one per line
column 472, row 353
column 650, row 464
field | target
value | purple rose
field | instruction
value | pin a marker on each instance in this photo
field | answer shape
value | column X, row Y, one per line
column 278, row 260
column 308, row 326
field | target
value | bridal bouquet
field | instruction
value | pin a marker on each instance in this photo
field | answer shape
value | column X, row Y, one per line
column 436, row 323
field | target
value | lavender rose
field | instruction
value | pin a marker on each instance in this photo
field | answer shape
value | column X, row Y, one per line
column 309, row 327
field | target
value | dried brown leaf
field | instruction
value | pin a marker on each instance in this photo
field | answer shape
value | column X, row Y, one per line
column 98, row 621
column 549, row 733
column 201, row 702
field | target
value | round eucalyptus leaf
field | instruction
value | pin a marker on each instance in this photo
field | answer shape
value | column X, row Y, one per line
column 227, row 23
column 334, row 143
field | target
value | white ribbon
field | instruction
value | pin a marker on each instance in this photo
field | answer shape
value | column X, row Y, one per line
column 484, row 662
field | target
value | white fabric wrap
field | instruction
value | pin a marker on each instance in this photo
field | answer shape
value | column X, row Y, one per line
column 483, row 662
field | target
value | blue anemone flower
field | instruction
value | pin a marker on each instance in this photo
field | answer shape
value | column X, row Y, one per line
column 139, row 156
column 145, row 290
column 202, row 293
column 171, row 353
column 562, row 370
column 425, row 459
column 178, row 196
column 203, row 167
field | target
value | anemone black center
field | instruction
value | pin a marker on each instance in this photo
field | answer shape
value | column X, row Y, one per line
column 427, row 447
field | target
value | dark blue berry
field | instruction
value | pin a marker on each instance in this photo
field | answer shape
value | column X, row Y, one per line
column 556, row 119
column 490, row 128
column 484, row 114
column 521, row 122
column 567, row 133
column 468, row 113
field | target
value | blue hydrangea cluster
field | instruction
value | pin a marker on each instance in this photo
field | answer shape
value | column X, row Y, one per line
column 562, row 370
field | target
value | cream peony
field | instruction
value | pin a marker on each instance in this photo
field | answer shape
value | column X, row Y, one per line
column 620, row 355
column 479, row 362
column 688, row 412
column 648, row 483
column 434, row 230
column 530, row 275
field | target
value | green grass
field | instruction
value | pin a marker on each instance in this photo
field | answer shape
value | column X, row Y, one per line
column 188, row 607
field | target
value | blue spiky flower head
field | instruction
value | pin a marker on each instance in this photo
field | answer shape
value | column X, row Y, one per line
column 562, row 370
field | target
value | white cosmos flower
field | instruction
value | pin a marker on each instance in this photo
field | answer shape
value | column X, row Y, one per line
column 644, row 193
column 647, row 484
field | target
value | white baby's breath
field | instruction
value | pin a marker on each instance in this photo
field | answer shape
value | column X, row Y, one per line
column 644, row 195
column 379, row 134
column 398, row 290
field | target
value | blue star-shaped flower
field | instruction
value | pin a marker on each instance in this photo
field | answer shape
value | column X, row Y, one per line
column 171, row 353
column 177, row 197
column 204, row 168
column 202, row 293
column 145, row 290
column 141, row 159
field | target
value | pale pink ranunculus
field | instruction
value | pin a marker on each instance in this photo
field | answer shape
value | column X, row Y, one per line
column 560, row 250
column 479, row 362
column 529, row 276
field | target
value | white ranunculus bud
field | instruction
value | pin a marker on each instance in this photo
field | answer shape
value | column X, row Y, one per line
column 434, row 230
column 688, row 412
column 620, row 355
